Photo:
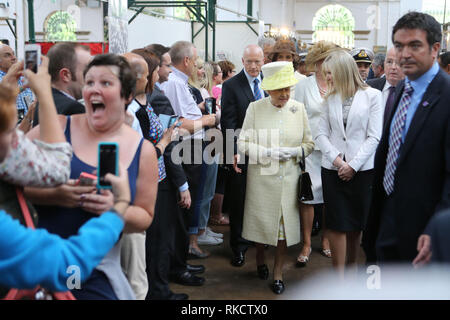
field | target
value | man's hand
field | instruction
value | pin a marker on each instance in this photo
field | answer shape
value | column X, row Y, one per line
column 185, row 199
column 235, row 163
column 424, row 249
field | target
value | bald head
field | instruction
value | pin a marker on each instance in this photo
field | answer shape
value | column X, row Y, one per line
column 253, row 59
column 7, row 57
column 140, row 67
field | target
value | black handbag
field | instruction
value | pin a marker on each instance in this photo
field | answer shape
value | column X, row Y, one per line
column 304, row 183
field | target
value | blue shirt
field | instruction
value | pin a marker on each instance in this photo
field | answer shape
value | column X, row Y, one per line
column 35, row 257
column 20, row 102
column 250, row 80
column 419, row 85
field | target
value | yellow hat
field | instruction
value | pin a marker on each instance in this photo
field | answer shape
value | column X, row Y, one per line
column 278, row 75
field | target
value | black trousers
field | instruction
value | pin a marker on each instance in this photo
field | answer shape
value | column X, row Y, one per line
column 238, row 182
column 166, row 242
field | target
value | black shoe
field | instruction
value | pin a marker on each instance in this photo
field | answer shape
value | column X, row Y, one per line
column 195, row 269
column 178, row 296
column 263, row 272
column 278, row 287
column 171, row 296
column 238, row 259
column 188, row 279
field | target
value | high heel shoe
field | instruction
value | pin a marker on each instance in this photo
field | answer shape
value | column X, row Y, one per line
column 263, row 272
column 278, row 286
column 303, row 260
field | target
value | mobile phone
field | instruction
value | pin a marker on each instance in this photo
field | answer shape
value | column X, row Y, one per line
column 167, row 121
column 210, row 105
column 172, row 120
column 32, row 57
column 108, row 162
column 86, row 179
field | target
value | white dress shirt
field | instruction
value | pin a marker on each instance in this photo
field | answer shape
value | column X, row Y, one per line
column 177, row 91
column 385, row 93
column 133, row 107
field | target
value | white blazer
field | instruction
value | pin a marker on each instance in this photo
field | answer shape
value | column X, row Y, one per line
column 359, row 141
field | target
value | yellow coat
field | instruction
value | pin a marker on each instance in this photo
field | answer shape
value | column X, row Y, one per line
column 272, row 185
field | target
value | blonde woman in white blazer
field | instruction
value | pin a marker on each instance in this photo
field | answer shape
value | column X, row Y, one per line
column 348, row 135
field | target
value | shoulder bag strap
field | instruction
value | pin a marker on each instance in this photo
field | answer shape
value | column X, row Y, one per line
column 24, row 208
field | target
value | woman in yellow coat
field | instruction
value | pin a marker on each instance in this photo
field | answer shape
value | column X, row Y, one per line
column 274, row 133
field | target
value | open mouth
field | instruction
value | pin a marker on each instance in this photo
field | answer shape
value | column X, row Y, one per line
column 97, row 106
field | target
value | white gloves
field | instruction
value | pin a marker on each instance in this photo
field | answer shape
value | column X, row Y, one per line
column 281, row 154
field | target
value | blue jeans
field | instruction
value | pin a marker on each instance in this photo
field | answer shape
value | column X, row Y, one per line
column 208, row 193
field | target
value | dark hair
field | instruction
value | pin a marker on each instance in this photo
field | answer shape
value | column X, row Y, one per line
column 152, row 61
column 157, row 49
column 63, row 55
column 422, row 21
column 445, row 59
column 227, row 68
column 127, row 77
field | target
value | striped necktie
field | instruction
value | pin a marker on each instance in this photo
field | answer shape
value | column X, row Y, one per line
column 256, row 91
column 395, row 138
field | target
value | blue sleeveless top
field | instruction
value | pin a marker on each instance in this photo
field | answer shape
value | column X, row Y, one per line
column 65, row 222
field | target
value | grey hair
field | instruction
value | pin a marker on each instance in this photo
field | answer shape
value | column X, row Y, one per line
column 378, row 59
column 262, row 42
column 180, row 50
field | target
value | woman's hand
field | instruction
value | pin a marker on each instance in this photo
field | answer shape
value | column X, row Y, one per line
column 70, row 195
column 12, row 77
column 168, row 136
column 120, row 189
column 346, row 172
column 97, row 203
column 39, row 82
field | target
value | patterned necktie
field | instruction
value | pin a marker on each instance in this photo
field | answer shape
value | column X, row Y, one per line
column 256, row 91
column 389, row 104
column 395, row 138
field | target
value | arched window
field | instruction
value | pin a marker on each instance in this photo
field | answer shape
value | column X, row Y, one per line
column 334, row 23
column 60, row 26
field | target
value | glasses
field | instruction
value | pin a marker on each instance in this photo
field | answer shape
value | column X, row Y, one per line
column 250, row 62
column 391, row 63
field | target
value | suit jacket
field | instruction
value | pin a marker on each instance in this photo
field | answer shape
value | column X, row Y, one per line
column 64, row 105
column 236, row 96
column 359, row 140
column 377, row 83
column 161, row 105
column 422, row 177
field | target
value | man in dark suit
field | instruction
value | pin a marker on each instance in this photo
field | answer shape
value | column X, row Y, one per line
column 412, row 163
column 237, row 93
column 67, row 61
column 387, row 84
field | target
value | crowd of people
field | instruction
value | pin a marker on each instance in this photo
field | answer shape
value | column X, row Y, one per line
column 373, row 132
